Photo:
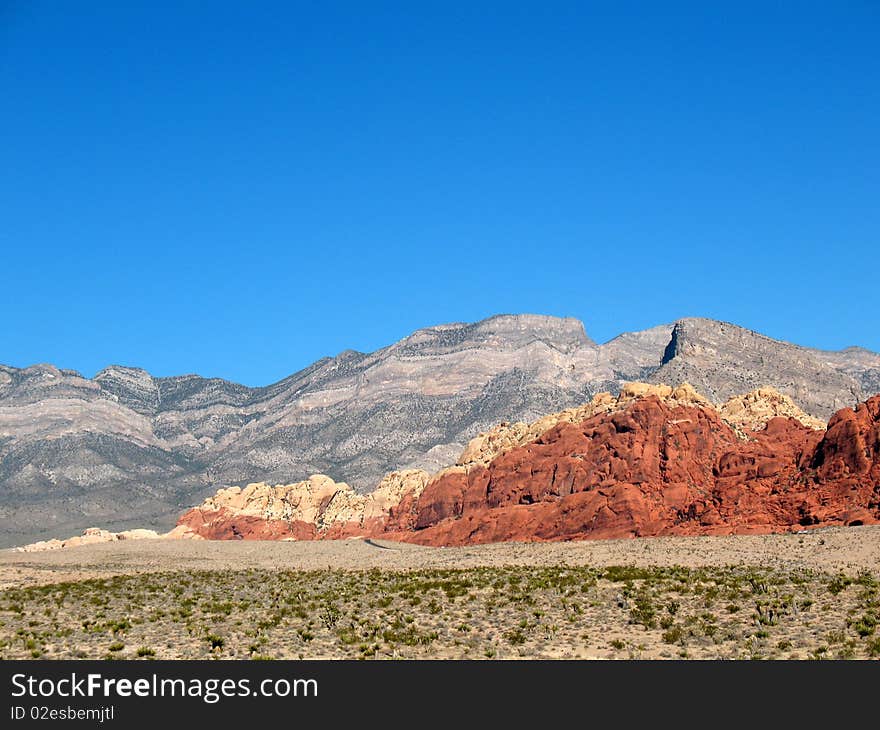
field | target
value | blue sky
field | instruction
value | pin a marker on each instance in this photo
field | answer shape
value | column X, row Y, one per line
column 238, row 189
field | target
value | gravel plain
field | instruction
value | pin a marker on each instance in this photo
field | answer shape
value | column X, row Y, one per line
column 787, row 596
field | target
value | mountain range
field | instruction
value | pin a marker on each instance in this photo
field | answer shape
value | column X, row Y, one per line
column 126, row 449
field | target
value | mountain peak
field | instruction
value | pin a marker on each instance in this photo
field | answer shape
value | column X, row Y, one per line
column 500, row 332
column 550, row 329
column 133, row 387
column 722, row 359
column 126, row 371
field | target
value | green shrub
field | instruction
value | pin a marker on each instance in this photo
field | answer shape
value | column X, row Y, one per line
column 673, row 635
column 515, row 637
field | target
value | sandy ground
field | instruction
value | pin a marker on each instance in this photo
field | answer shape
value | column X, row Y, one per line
column 847, row 549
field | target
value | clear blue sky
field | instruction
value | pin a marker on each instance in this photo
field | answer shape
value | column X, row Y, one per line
column 237, row 189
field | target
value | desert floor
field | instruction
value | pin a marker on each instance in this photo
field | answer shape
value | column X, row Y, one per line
column 810, row 595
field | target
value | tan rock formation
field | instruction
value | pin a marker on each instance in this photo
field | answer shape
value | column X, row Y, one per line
column 681, row 395
column 752, row 411
column 90, row 536
column 349, row 507
column 41, row 546
column 301, row 501
column 317, row 504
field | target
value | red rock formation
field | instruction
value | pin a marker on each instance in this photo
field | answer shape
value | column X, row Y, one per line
column 650, row 469
column 852, row 444
column 225, row 524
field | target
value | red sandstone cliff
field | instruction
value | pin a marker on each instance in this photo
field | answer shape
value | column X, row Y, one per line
column 652, row 468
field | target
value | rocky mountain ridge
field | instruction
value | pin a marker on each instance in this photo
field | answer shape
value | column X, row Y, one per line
column 126, row 449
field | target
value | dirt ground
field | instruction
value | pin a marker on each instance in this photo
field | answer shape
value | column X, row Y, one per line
column 798, row 596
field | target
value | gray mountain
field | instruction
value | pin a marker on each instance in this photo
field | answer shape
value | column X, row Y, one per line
column 721, row 360
column 128, row 449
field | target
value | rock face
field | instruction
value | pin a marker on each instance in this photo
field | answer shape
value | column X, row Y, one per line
column 654, row 461
column 126, row 448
